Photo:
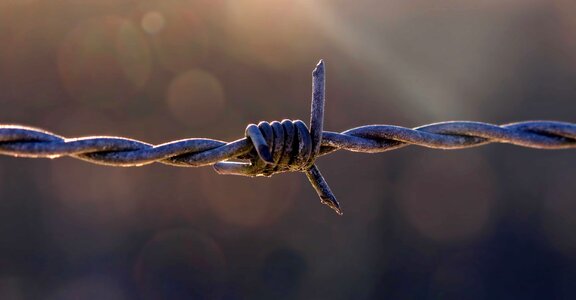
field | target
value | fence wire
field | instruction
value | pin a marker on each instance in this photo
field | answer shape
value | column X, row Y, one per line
column 273, row 147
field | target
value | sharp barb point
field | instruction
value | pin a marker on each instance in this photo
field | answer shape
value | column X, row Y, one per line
column 321, row 186
column 333, row 204
column 319, row 67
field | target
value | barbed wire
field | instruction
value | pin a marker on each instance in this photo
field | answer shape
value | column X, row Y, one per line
column 274, row 147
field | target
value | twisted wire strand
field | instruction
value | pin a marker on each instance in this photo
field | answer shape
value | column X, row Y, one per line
column 275, row 147
column 22, row 141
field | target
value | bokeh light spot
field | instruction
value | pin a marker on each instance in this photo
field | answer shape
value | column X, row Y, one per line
column 133, row 54
column 103, row 60
column 152, row 22
column 183, row 40
column 237, row 201
column 559, row 220
column 196, row 97
column 274, row 35
column 90, row 287
column 100, row 202
column 11, row 287
column 282, row 274
column 445, row 199
column 181, row 264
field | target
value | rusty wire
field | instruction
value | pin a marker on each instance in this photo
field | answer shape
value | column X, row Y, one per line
column 270, row 148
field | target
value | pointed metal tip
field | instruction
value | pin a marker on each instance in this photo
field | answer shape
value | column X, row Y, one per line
column 338, row 211
column 319, row 67
column 333, row 204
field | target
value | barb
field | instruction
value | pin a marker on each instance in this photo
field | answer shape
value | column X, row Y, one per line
column 287, row 146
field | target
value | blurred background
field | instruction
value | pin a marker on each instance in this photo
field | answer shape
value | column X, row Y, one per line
column 494, row 222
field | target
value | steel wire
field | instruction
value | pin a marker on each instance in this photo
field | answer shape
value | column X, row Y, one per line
column 275, row 147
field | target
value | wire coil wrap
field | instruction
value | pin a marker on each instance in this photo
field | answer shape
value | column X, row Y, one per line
column 273, row 147
column 278, row 147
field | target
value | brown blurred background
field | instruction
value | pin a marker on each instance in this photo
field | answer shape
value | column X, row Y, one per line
column 495, row 222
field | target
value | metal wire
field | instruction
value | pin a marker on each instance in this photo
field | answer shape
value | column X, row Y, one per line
column 270, row 148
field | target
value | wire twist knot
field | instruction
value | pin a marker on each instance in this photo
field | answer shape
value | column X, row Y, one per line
column 288, row 146
column 280, row 147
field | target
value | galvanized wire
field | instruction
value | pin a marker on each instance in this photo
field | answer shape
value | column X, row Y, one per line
column 275, row 147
